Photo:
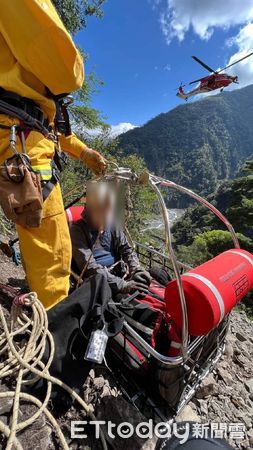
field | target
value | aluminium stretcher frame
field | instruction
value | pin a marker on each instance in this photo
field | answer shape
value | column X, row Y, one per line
column 194, row 369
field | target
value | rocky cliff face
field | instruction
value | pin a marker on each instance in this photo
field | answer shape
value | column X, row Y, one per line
column 226, row 396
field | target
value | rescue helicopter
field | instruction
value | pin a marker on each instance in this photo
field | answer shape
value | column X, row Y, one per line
column 217, row 80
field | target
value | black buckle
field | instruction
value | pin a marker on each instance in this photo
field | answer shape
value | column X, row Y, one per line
column 55, row 174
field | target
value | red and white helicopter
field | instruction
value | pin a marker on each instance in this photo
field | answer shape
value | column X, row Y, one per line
column 217, row 80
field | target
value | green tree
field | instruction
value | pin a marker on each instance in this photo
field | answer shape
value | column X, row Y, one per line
column 209, row 244
column 142, row 200
column 83, row 115
column 74, row 13
column 233, row 198
column 240, row 208
column 248, row 167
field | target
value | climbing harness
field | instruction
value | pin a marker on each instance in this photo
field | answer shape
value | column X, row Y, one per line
column 31, row 118
column 25, row 110
column 62, row 126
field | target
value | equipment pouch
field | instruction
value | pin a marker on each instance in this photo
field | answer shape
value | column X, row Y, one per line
column 20, row 192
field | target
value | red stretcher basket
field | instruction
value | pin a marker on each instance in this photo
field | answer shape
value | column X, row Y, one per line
column 196, row 311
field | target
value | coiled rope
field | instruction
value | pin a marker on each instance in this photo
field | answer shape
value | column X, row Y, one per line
column 21, row 361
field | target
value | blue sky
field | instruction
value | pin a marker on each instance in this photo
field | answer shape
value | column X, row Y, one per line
column 142, row 50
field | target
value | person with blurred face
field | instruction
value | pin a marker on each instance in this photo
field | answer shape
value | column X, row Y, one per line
column 100, row 245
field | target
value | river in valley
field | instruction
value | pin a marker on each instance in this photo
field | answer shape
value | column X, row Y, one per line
column 157, row 222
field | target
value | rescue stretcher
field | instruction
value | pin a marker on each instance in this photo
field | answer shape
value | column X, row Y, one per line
column 169, row 382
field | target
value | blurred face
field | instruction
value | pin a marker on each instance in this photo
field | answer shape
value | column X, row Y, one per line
column 100, row 205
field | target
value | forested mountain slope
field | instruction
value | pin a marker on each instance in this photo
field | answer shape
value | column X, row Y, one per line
column 198, row 144
column 234, row 199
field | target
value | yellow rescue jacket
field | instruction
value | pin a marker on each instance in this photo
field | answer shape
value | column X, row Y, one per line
column 36, row 52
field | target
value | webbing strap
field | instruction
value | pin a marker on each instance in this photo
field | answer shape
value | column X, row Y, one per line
column 175, row 344
column 18, row 113
column 54, row 179
column 48, row 187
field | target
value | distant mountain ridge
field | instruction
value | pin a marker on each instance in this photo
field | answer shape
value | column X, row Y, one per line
column 198, row 144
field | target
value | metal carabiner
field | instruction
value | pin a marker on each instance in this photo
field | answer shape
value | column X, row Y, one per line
column 22, row 135
column 13, row 138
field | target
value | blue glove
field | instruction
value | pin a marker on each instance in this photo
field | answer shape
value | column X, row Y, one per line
column 16, row 258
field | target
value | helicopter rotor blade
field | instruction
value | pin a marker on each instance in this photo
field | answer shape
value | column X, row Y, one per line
column 196, row 81
column 236, row 62
column 203, row 64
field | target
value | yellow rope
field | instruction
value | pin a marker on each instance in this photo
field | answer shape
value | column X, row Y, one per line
column 22, row 360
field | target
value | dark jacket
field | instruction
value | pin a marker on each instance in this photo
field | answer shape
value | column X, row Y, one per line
column 84, row 251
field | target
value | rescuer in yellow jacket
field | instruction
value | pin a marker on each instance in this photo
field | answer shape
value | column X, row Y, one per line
column 38, row 56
